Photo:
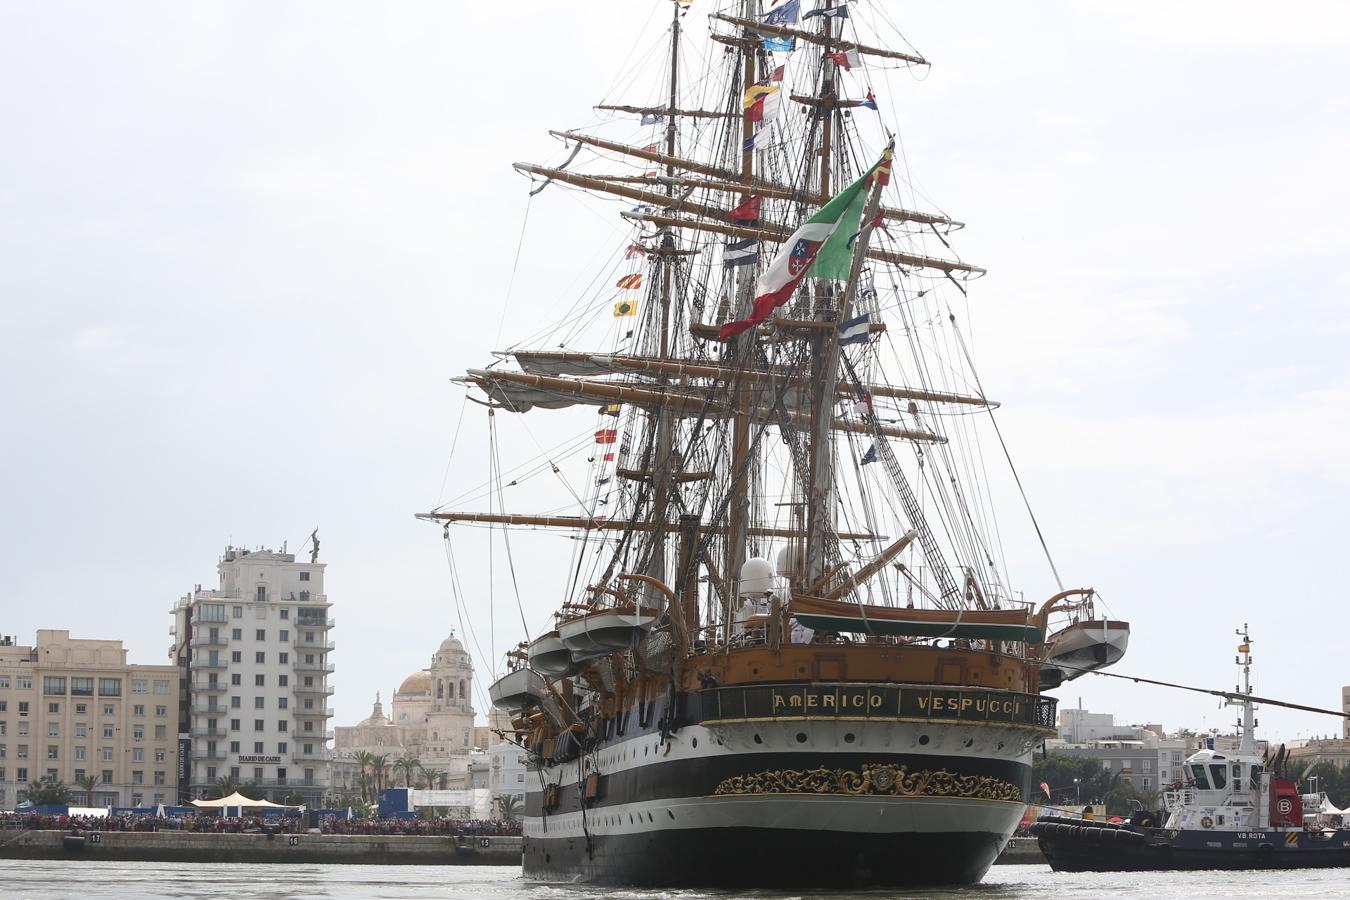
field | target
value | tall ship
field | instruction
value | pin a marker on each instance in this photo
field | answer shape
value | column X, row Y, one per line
column 1237, row 809
column 787, row 649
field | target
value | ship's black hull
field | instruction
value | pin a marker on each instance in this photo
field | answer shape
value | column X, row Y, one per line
column 1094, row 848
column 765, row 858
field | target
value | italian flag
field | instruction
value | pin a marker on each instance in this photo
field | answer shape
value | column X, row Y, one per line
column 821, row 248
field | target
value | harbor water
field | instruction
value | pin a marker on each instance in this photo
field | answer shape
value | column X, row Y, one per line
column 94, row 880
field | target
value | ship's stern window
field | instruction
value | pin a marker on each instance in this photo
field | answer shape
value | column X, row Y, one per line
column 1219, row 776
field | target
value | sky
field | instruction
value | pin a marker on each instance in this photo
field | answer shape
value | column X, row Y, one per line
column 244, row 247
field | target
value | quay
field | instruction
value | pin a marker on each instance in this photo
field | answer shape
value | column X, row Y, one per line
column 210, row 847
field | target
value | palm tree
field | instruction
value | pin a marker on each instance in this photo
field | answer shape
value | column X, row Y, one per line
column 433, row 778
column 408, row 765
column 379, row 768
column 362, row 760
column 87, row 783
column 511, row 806
column 225, row 786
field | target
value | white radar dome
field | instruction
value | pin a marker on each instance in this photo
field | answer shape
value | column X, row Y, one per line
column 756, row 577
column 791, row 560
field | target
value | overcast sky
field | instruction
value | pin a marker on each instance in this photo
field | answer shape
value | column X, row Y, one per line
column 244, row 246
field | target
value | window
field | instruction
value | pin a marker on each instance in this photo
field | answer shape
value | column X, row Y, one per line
column 82, row 687
column 141, row 685
column 258, row 747
column 53, row 729
column 260, row 657
column 234, row 724
column 211, row 773
column 79, row 753
column 284, row 636
column 257, row 724
column 23, row 728
column 309, row 726
column 160, row 732
column 281, row 775
column 259, row 702
column 161, row 711
column 213, row 612
column 138, row 709
column 237, row 612
column 236, row 634
column 236, row 703
column 282, row 701
column 23, row 682
column 236, row 656
column 258, row 774
column 285, row 614
column 284, row 680
column 107, row 731
column 234, row 746
column 4, row 682
column 159, row 756
column 261, row 593
column 236, row 679
column 137, row 776
column 109, row 709
column 21, row 775
column 161, row 686
column 281, row 725
column 260, row 634
column 304, row 576
column 138, row 754
column 106, row 754
column 159, row 776
column 80, row 708
column 109, row 687
column 53, row 708
column 53, row 751
column 81, row 730
column 54, row 684
column 281, row 746
column 138, row 732
column 1219, row 776
column 1147, row 765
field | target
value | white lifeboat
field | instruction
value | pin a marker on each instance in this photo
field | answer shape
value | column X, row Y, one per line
column 550, row 656
column 1083, row 647
column 518, row 689
column 605, row 630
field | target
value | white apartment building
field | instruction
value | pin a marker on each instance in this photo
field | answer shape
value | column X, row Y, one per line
column 256, row 657
column 76, row 712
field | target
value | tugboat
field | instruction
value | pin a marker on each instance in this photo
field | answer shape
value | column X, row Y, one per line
column 1235, row 811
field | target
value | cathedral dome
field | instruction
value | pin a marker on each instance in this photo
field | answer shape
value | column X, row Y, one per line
column 451, row 645
column 416, row 683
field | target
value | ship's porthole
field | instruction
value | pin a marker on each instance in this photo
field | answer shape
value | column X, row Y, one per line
column 923, row 739
column 848, row 738
column 671, row 814
column 649, row 818
column 801, row 737
column 695, row 742
column 758, row 739
column 1000, row 745
column 968, row 742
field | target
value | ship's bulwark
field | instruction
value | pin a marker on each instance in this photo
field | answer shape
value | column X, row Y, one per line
column 847, row 803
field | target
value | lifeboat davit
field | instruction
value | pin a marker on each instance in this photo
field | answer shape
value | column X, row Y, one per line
column 518, row 689
column 550, row 656
column 1083, row 647
column 605, row 630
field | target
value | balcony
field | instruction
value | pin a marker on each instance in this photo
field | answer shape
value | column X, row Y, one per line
column 302, row 666
column 209, row 687
column 205, row 640
column 319, row 754
column 198, row 663
column 313, row 646
column 315, row 736
column 324, row 689
column 206, row 709
column 209, row 732
column 314, row 712
column 326, row 622
column 204, row 753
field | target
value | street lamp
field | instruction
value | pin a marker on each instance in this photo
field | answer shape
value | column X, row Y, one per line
column 1078, row 791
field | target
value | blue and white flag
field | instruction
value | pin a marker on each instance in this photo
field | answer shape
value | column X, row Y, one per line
column 740, row 253
column 779, row 45
column 787, row 14
column 832, row 12
column 759, row 140
column 854, row 331
column 652, row 119
column 870, row 456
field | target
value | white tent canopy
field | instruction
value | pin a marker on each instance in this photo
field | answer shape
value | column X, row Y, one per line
column 238, row 799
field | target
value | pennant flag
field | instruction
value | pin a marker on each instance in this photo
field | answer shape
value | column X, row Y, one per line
column 759, row 140
column 625, row 308
column 875, row 223
column 628, row 282
column 854, row 331
column 612, row 410
column 787, row 14
column 652, row 119
column 608, row 457
column 870, row 456
column 762, row 102
column 747, row 211
column 846, row 59
column 1045, row 787
column 778, row 73
column 871, row 101
column 606, row 436
column 740, row 253
column 833, row 12
column 779, row 45
column 634, row 250
column 602, row 481
column 651, row 148
column 818, row 247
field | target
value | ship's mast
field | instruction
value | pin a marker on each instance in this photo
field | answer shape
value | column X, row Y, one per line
column 1247, row 744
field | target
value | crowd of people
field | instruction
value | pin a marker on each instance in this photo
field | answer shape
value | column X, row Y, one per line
column 255, row 824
